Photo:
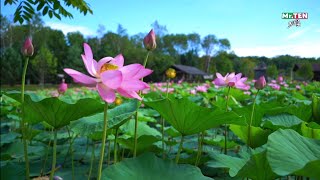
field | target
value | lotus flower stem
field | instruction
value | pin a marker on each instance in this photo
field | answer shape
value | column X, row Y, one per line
column 71, row 151
column 91, row 161
column 115, row 147
column 104, row 135
column 250, row 124
column 163, row 122
column 46, row 157
column 200, row 143
column 54, row 156
column 179, row 150
column 225, row 125
column 23, row 123
column 136, row 118
column 109, row 153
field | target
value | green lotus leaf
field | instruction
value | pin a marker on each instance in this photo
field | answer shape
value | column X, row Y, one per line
column 290, row 153
column 189, row 118
column 148, row 166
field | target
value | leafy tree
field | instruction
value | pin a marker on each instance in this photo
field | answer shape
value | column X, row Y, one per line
column 26, row 8
column 45, row 64
column 11, row 66
column 305, row 71
column 224, row 64
column 247, row 67
column 75, row 38
column 211, row 45
column 272, row 71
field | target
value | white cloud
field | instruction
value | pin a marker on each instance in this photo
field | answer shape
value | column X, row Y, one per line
column 66, row 28
column 297, row 33
column 308, row 49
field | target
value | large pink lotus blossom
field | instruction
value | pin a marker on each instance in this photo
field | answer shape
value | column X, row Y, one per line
column 110, row 76
column 231, row 80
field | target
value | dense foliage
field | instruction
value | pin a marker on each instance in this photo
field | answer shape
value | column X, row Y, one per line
column 55, row 51
column 285, row 133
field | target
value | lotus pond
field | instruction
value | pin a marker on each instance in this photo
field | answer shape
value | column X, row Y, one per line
column 180, row 135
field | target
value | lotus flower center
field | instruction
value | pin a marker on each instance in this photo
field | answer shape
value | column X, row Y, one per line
column 107, row 67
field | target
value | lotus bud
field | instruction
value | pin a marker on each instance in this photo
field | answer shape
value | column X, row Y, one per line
column 150, row 41
column 280, row 79
column 62, row 87
column 118, row 101
column 27, row 49
column 171, row 73
column 260, row 83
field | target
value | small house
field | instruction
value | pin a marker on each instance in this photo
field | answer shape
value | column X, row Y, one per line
column 315, row 69
column 190, row 73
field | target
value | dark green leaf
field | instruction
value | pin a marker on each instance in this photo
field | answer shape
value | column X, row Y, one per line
column 148, row 166
column 189, row 118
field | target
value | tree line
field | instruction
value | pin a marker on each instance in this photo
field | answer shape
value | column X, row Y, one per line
column 55, row 51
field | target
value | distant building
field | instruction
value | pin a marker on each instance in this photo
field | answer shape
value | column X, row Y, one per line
column 260, row 70
column 315, row 69
column 190, row 73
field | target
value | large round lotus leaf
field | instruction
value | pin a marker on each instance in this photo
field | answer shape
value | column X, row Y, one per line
column 258, row 135
column 290, row 153
column 148, row 166
column 55, row 112
column 189, row 118
column 310, row 130
column 283, row 120
column 253, row 165
column 116, row 117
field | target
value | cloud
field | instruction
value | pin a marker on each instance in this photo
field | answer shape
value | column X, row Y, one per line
column 66, row 28
column 308, row 49
column 297, row 33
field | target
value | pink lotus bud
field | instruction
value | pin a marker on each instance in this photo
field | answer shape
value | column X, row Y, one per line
column 260, row 83
column 280, row 79
column 150, row 41
column 62, row 87
column 27, row 49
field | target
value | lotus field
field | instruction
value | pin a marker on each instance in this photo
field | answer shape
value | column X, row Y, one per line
column 116, row 126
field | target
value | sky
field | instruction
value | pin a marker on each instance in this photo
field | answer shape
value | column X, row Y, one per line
column 254, row 28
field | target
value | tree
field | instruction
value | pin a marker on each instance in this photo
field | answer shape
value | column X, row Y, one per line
column 305, row 71
column 26, row 8
column 223, row 63
column 211, row 45
column 45, row 64
column 247, row 67
column 11, row 66
column 272, row 71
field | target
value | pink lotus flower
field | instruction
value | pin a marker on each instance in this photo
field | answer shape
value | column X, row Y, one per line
column 280, row 79
column 231, row 80
column 273, row 81
column 62, row 87
column 110, row 76
column 150, row 41
column 260, row 83
column 27, row 49
column 298, row 87
column 193, row 91
column 247, row 92
column 201, row 89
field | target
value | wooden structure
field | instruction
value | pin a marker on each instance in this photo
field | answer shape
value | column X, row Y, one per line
column 260, row 70
column 315, row 69
column 190, row 73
